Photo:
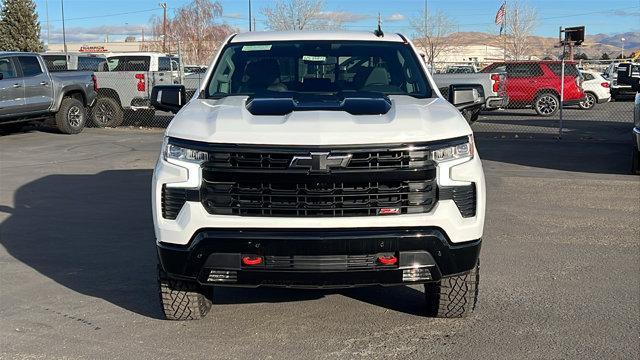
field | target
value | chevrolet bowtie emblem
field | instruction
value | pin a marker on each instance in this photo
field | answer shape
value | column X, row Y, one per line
column 320, row 161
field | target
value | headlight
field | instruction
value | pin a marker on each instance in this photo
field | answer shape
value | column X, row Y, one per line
column 172, row 151
column 458, row 151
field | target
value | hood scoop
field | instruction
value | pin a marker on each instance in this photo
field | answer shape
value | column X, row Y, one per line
column 356, row 103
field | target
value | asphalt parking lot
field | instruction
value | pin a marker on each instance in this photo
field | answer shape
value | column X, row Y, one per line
column 559, row 276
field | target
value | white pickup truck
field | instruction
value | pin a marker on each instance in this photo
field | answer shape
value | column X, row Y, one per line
column 492, row 87
column 317, row 160
column 125, row 81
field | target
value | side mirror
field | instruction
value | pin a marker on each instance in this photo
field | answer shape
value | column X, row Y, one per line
column 168, row 97
column 463, row 96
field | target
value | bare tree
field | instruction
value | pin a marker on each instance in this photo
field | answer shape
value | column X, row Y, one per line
column 295, row 15
column 194, row 26
column 521, row 21
column 431, row 33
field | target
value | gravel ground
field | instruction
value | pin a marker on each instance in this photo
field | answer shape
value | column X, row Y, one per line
column 559, row 277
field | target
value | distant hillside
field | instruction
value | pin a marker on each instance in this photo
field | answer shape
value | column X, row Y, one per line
column 631, row 39
column 593, row 46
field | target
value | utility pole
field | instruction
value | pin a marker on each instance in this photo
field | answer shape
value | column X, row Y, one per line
column 250, row 16
column 164, row 27
column 425, row 18
column 64, row 36
column 254, row 24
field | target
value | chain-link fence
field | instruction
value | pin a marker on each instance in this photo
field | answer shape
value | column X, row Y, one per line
column 519, row 99
column 595, row 106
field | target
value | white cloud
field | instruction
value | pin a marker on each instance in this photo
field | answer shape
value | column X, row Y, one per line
column 395, row 17
column 95, row 33
column 341, row 16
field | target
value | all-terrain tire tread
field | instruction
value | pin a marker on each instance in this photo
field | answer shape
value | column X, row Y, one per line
column 182, row 300
column 454, row 296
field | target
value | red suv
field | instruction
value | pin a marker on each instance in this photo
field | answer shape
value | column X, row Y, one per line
column 537, row 84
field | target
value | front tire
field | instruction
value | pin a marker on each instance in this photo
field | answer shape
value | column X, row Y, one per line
column 454, row 296
column 181, row 300
column 589, row 101
column 71, row 116
column 471, row 115
column 546, row 104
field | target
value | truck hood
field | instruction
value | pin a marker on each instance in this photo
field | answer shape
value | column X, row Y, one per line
column 228, row 121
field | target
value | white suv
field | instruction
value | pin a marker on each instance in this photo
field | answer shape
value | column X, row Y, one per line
column 317, row 160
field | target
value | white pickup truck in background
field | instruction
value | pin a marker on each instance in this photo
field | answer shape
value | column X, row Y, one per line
column 491, row 86
column 125, row 81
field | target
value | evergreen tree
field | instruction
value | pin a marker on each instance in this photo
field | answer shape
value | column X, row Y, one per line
column 605, row 56
column 582, row 56
column 19, row 26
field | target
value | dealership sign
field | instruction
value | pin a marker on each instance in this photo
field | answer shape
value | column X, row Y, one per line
column 93, row 49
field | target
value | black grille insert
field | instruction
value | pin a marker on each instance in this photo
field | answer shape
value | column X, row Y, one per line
column 376, row 181
column 323, row 262
column 173, row 199
column 463, row 196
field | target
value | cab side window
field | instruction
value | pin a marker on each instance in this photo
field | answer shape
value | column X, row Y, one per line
column 30, row 66
column 523, row 70
column 164, row 64
column 7, row 69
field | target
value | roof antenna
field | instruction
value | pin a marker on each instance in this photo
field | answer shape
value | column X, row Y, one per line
column 378, row 32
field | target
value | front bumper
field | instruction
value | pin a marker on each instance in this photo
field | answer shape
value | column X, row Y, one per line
column 317, row 258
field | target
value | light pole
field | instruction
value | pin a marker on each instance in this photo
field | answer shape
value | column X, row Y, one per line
column 250, row 16
column 180, row 65
column 64, row 36
column 46, row 5
column 622, row 41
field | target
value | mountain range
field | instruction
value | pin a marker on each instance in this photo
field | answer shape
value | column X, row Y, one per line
column 594, row 45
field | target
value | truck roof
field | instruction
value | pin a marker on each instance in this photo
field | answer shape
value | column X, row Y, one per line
column 72, row 53
column 17, row 53
column 140, row 53
column 257, row 36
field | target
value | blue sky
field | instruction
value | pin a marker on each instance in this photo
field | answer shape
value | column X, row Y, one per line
column 89, row 20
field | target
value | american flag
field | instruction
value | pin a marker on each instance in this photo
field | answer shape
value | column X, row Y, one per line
column 500, row 16
column 500, row 13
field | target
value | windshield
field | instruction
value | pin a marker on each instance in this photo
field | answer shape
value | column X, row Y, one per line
column 318, row 67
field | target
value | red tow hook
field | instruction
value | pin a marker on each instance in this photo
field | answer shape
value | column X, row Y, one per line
column 251, row 260
column 387, row 260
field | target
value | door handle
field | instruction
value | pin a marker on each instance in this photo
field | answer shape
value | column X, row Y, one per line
column 44, row 83
column 17, row 85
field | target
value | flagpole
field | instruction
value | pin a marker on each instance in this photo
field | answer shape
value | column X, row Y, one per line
column 504, row 21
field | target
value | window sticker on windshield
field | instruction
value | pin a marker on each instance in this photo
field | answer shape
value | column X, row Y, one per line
column 314, row 58
column 256, row 48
